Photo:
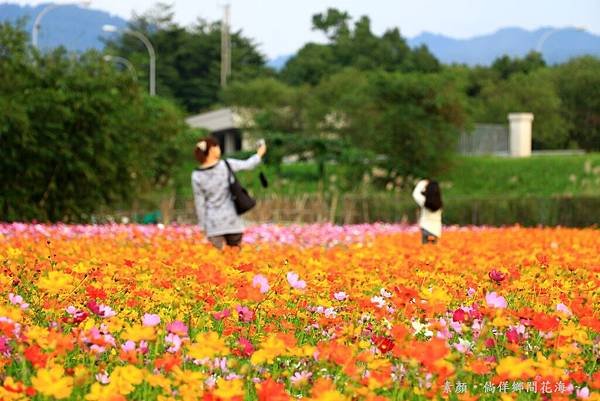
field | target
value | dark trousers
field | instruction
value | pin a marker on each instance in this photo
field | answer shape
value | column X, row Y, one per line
column 427, row 237
column 230, row 239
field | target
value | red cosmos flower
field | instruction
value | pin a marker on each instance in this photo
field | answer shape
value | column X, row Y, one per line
column 496, row 276
column 270, row 390
column 542, row 259
column 544, row 322
column 94, row 307
column 490, row 342
column 93, row 292
column 167, row 362
column 220, row 315
column 35, row 356
column 383, row 344
column 512, row 336
column 459, row 315
column 246, row 347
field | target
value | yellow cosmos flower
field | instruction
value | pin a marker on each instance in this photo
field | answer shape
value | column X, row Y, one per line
column 575, row 332
column 6, row 395
column 229, row 388
column 138, row 333
column 515, row 368
column 56, row 282
column 188, row 377
column 158, row 381
column 13, row 313
column 208, row 345
column 98, row 392
column 269, row 350
column 52, row 383
column 331, row 395
column 125, row 378
column 39, row 335
column 436, row 295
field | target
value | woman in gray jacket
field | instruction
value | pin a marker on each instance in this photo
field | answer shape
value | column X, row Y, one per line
column 210, row 182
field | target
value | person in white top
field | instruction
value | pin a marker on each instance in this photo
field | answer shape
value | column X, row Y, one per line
column 428, row 196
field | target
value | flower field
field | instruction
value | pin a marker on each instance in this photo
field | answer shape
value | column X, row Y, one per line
column 314, row 312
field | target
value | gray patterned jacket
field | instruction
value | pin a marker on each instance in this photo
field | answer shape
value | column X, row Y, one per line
column 214, row 207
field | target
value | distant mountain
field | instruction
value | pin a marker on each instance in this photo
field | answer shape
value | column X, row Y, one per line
column 74, row 27
column 279, row 62
column 559, row 45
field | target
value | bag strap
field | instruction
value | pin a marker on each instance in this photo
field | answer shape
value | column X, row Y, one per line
column 231, row 173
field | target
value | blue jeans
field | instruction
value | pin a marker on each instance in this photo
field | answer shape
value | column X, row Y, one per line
column 427, row 237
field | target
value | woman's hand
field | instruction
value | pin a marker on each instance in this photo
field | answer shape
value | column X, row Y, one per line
column 262, row 149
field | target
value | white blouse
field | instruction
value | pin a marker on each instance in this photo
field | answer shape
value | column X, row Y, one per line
column 430, row 221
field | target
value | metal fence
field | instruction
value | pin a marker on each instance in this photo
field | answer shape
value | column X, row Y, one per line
column 485, row 139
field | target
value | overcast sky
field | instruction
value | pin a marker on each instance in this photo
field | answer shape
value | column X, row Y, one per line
column 280, row 27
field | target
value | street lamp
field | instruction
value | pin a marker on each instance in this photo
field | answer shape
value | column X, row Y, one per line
column 38, row 19
column 547, row 34
column 151, row 53
column 123, row 61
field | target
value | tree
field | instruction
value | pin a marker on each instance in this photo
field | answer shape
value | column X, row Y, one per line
column 506, row 66
column 76, row 134
column 188, row 59
column 534, row 92
column 413, row 119
column 357, row 47
column 578, row 83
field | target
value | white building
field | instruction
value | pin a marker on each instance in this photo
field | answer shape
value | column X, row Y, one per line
column 224, row 124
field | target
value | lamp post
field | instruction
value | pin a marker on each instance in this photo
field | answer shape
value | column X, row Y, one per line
column 149, row 47
column 123, row 61
column 547, row 34
column 38, row 19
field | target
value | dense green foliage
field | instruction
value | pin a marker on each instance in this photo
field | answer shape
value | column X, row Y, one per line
column 76, row 134
column 188, row 59
column 356, row 47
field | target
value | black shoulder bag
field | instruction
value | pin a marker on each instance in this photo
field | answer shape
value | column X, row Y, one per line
column 241, row 199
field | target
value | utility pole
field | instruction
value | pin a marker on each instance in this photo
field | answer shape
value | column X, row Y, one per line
column 225, row 48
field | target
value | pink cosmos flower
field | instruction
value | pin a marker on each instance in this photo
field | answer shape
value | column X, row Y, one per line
column 175, row 342
column 495, row 301
column 107, row 311
column 150, row 320
column 177, row 327
column 129, row 345
column 103, row 378
column 245, row 314
column 583, row 393
column 564, row 308
column 378, row 301
column 220, row 315
column 294, row 281
column 4, row 347
column 261, row 282
column 300, row 378
column 100, row 310
column 17, row 300
column 143, row 348
column 340, row 296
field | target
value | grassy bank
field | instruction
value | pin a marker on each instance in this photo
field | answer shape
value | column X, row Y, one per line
column 468, row 177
